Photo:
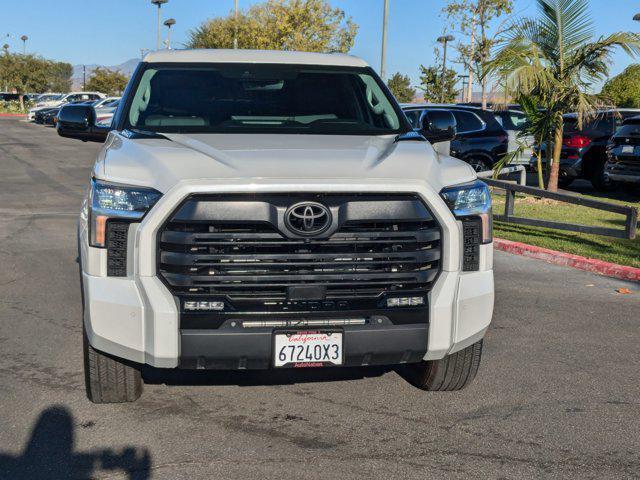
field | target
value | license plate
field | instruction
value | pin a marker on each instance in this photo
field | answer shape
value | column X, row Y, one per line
column 307, row 349
column 627, row 149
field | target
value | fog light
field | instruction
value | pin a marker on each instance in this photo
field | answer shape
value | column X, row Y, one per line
column 405, row 301
column 204, row 306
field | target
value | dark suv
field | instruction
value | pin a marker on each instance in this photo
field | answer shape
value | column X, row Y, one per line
column 480, row 141
column 584, row 150
column 623, row 154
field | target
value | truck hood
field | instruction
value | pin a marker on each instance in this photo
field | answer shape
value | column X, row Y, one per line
column 163, row 163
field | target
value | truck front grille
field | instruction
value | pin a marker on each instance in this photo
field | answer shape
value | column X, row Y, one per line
column 236, row 248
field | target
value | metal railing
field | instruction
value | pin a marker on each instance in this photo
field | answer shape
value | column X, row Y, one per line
column 630, row 213
column 506, row 170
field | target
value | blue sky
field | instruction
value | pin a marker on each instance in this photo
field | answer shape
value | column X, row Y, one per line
column 109, row 32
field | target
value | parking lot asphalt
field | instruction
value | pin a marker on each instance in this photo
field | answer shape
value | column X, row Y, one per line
column 557, row 395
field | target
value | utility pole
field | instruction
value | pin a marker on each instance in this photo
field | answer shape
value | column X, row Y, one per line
column 84, row 77
column 169, row 23
column 159, row 4
column 445, row 39
column 143, row 51
column 383, row 56
column 24, row 39
column 463, row 92
column 235, row 25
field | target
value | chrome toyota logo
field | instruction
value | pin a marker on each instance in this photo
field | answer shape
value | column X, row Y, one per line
column 308, row 218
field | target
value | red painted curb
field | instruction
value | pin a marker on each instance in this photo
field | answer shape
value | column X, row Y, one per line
column 13, row 114
column 569, row 260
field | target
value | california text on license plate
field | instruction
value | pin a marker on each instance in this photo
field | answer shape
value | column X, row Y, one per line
column 307, row 349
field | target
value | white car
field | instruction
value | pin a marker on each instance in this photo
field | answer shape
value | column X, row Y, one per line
column 62, row 99
column 270, row 210
column 514, row 122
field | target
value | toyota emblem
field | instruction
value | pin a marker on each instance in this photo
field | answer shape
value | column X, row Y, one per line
column 308, row 218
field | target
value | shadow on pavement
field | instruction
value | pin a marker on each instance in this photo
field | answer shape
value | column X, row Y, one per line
column 258, row 377
column 49, row 454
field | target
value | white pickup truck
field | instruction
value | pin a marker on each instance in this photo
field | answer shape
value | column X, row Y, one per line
column 269, row 210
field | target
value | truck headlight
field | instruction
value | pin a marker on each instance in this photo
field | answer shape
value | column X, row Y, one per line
column 113, row 201
column 471, row 200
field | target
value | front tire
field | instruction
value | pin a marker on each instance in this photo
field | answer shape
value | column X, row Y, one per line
column 453, row 372
column 108, row 380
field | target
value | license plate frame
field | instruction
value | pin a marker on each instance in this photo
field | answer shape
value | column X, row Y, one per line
column 304, row 363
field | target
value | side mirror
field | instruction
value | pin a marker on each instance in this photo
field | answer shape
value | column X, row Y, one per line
column 79, row 121
column 438, row 125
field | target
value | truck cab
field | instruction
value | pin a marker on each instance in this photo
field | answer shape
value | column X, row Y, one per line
column 273, row 210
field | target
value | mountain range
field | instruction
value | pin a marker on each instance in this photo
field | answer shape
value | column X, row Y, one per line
column 126, row 68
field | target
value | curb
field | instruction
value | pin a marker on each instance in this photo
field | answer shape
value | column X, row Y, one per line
column 13, row 114
column 601, row 267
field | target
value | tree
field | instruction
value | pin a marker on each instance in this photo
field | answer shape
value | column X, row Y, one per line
column 431, row 81
column 305, row 25
column 60, row 76
column 111, row 82
column 554, row 57
column 474, row 18
column 624, row 89
column 23, row 73
column 400, row 86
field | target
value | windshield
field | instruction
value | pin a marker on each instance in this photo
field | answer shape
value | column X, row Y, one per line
column 49, row 98
column 629, row 130
column 262, row 98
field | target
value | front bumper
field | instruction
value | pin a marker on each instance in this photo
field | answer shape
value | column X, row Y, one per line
column 136, row 317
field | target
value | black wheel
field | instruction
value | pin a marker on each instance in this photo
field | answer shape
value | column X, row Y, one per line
column 600, row 180
column 108, row 380
column 453, row 372
column 479, row 164
column 565, row 181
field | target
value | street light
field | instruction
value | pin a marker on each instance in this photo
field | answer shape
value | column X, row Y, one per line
column 383, row 55
column 169, row 23
column 159, row 4
column 444, row 40
column 636, row 17
column 235, row 25
column 24, row 39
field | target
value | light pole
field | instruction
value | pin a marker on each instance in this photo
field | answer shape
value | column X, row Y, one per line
column 159, row 4
column 235, row 25
column 169, row 23
column 465, row 79
column 383, row 56
column 24, row 39
column 444, row 40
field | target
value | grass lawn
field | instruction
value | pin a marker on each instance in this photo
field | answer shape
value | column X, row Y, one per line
column 624, row 252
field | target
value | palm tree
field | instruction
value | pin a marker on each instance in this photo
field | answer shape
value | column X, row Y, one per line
column 554, row 57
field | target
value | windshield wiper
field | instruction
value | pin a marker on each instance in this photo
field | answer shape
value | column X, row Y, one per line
column 135, row 134
column 411, row 136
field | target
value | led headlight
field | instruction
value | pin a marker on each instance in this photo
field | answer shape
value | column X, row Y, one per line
column 471, row 200
column 112, row 201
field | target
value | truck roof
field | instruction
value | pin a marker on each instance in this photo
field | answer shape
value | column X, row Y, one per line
column 253, row 56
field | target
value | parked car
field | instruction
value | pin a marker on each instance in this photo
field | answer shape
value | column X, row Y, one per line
column 39, row 115
column 623, row 154
column 9, row 97
column 480, row 140
column 514, row 122
column 48, row 116
column 494, row 106
column 238, row 220
column 64, row 99
column 584, row 151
